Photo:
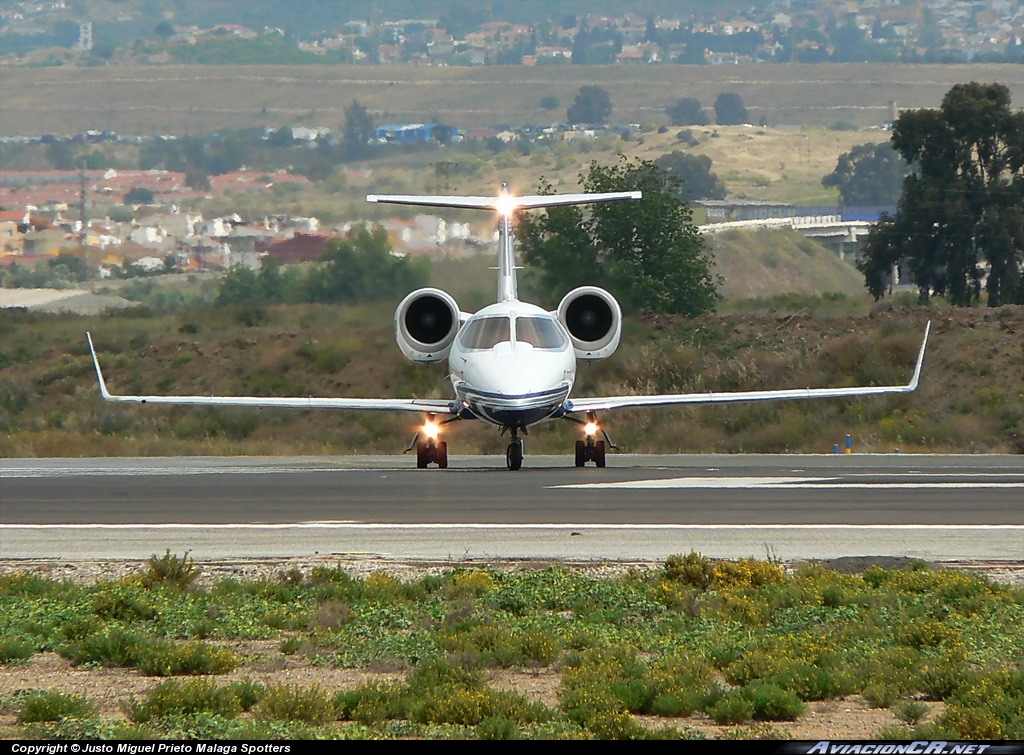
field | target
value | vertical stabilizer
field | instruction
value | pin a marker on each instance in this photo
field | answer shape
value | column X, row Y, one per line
column 505, row 204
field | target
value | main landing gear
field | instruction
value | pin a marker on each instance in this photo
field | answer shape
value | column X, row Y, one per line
column 429, row 450
column 591, row 449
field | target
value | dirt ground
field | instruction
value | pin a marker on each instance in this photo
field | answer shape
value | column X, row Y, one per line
column 110, row 688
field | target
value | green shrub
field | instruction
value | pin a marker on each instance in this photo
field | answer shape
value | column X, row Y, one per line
column 372, row 703
column 910, row 712
column 169, row 570
column 175, row 697
column 881, row 695
column 811, row 682
column 692, row 569
column 171, row 659
column 497, row 728
column 113, row 646
column 53, row 706
column 15, row 650
column 248, row 692
column 772, row 703
column 115, row 602
column 732, row 708
column 290, row 702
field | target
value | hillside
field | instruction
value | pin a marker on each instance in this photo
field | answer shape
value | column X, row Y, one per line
column 970, row 398
column 767, row 263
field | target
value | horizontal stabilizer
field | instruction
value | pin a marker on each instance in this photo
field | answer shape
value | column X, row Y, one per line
column 503, row 202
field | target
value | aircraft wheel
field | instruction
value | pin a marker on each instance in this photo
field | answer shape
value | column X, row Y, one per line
column 599, row 453
column 514, row 455
column 581, row 453
column 422, row 455
column 442, row 455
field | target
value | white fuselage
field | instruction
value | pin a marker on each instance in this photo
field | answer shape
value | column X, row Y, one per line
column 512, row 364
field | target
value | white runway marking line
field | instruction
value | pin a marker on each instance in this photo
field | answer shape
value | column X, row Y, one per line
column 31, row 473
column 501, row 526
column 791, row 483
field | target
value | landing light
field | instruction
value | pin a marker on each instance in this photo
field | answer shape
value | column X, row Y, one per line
column 431, row 429
column 506, row 205
column 591, row 428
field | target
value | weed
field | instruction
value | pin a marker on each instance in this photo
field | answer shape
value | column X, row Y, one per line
column 772, row 703
column 732, row 708
column 169, row 570
column 171, row 659
column 691, row 569
column 53, row 706
column 113, row 646
column 497, row 728
column 372, row 703
column 910, row 712
column 15, row 650
column 289, row 702
column 185, row 697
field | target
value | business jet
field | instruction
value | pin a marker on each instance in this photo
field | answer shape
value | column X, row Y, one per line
column 511, row 364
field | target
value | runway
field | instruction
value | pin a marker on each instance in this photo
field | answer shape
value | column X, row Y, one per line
column 941, row 508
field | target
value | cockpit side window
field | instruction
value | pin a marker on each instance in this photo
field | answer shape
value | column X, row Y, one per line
column 486, row 332
column 539, row 332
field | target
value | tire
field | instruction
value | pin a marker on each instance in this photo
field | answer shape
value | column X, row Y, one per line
column 599, row 453
column 422, row 455
column 514, row 455
column 442, row 455
column 581, row 453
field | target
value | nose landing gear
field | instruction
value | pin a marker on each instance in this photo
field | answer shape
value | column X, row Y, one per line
column 514, row 452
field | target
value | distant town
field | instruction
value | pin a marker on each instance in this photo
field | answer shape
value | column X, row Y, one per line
column 44, row 32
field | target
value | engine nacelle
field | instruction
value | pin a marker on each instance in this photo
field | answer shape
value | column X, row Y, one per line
column 594, row 321
column 426, row 323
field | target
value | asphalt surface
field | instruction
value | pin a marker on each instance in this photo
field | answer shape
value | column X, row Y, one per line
column 942, row 508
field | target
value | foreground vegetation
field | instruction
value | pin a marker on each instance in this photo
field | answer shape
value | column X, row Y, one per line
column 642, row 655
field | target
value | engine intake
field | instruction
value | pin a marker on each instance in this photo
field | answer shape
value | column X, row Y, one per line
column 594, row 321
column 426, row 323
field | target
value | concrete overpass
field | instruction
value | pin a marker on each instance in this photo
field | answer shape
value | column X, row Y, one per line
column 830, row 230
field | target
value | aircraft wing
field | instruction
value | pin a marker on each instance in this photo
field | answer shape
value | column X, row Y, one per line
column 669, row 399
column 497, row 203
column 436, row 406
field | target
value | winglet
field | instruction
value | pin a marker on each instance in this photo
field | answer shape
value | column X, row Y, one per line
column 99, row 373
column 912, row 385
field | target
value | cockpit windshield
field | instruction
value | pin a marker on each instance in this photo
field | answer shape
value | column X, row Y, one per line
column 486, row 332
column 539, row 332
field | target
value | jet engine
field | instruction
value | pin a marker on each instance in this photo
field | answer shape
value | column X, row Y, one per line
column 594, row 321
column 426, row 323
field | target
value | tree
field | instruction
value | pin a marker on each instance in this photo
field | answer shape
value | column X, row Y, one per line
column 869, row 174
column 593, row 105
column 358, row 130
column 648, row 253
column 139, row 195
column 729, row 110
column 696, row 181
column 687, row 111
column 962, row 201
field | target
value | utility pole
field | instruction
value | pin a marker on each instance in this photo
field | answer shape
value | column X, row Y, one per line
column 83, row 214
column 442, row 172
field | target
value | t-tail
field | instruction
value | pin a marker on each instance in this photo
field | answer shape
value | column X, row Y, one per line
column 506, row 205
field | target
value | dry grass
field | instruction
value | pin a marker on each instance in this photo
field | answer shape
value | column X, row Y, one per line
column 181, row 99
